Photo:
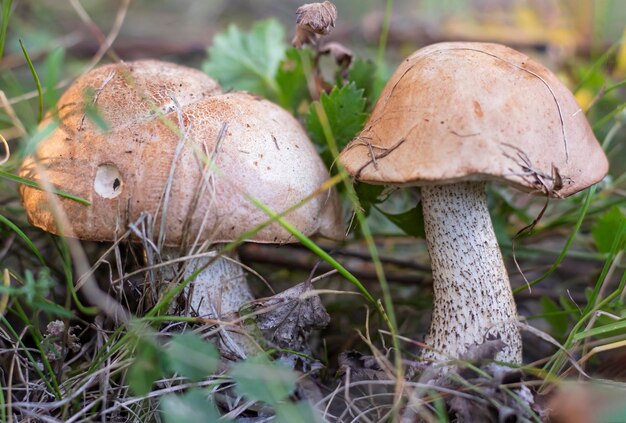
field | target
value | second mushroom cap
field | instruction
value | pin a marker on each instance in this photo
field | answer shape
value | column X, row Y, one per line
column 456, row 111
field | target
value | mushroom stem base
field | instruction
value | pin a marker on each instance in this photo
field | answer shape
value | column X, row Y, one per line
column 473, row 302
column 218, row 292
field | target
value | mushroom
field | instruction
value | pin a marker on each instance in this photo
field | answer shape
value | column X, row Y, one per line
column 452, row 117
column 202, row 153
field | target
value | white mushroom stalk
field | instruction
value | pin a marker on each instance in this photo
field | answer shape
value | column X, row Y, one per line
column 473, row 302
column 218, row 291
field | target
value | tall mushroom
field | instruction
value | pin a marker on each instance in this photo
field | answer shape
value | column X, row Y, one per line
column 191, row 166
column 452, row 117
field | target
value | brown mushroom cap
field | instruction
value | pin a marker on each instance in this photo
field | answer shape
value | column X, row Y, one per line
column 477, row 111
column 140, row 90
column 123, row 172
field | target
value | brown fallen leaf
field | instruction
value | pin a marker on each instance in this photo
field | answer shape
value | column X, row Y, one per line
column 287, row 319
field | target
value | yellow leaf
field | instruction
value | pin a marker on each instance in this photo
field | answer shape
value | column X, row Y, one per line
column 584, row 97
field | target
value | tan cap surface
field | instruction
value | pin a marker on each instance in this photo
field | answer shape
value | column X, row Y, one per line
column 140, row 90
column 477, row 111
column 123, row 172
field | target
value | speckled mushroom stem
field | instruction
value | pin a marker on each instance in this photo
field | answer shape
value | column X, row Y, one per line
column 218, row 292
column 473, row 301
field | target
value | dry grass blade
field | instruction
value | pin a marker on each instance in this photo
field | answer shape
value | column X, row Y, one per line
column 7, row 151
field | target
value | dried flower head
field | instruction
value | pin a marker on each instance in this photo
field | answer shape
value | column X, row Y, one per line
column 313, row 20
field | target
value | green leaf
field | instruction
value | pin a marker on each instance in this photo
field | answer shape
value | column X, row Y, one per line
column 301, row 412
column 192, row 357
column 259, row 379
column 248, row 60
column 345, row 109
column 38, row 287
column 363, row 74
column 607, row 227
column 553, row 314
column 145, row 369
column 292, row 79
column 190, row 407
column 368, row 195
column 411, row 221
column 52, row 308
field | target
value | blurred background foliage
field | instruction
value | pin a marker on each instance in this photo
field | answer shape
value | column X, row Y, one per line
column 566, row 34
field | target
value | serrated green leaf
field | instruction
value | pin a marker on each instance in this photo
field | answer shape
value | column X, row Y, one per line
column 145, row 369
column 607, row 227
column 345, row 109
column 411, row 221
column 301, row 412
column 192, row 357
column 259, row 379
column 363, row 74
column 190, row 407
column 248, row 60
column 292, row 80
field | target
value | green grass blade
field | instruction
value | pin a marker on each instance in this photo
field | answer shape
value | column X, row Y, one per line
column 69, row 278
column 306, row 241
column 33, row 184
column 6, row 324
column 384, row 34
column 24, row 237
column 601, row 330
column 6, row 12
column 568, row 243
column 37, row 82
column 594, row 304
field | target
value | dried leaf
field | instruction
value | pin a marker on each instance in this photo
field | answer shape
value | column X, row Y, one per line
column 291, row 316
column 360, row 366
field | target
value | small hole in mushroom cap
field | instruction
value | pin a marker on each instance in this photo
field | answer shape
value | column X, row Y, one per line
column 108, row 182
